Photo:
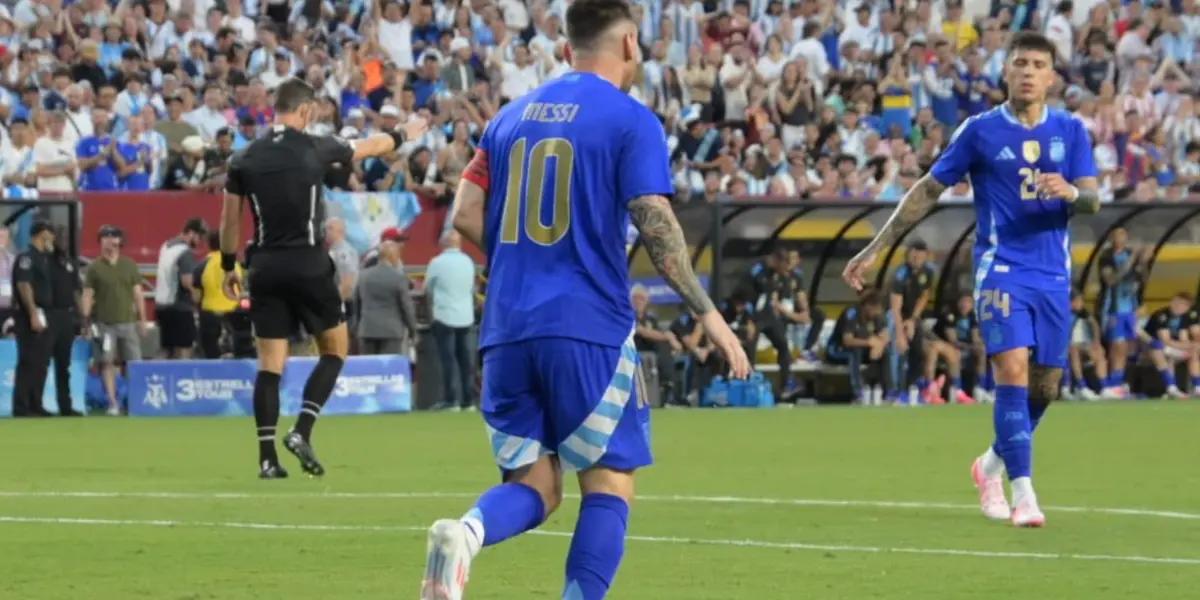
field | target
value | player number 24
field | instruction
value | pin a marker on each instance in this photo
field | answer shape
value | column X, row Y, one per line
column 1029, row 179
column 997, row 300
column 534, row 188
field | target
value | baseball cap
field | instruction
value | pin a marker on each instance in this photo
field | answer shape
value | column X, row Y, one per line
column 459, row 43
column 111, row 231
column 392, row 234
column 389, row 110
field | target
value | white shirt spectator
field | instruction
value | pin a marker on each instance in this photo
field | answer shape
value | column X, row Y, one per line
column 79, row 125
column 814, row 54
column 16, row 161
column 396, row 41
column 1081, row 11
column 1059, row 30
column 243, row 25
column 516, row 16
column 865, row 36
column 770, row 69
column 207, row 121
column 128, row 104
column 518, row 81
column 1129, row 49
column 735, row 95
column 161, row 37
column 50, row 152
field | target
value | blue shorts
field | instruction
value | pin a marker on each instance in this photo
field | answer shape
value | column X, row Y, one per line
column 567, row 397
column 1012, row 315
column 1120, row 327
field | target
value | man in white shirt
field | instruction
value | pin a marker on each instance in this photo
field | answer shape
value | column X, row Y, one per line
column 518, row 77
column 78, row 115
column 131, row 100
column 54, row 158
column 209, row 118
column 1060, row 32
column 395, row 35
column 860, row 29
column 813, row 52
column 281, row 71
column 1133, row 44
column 735, row 74
column 238, row 21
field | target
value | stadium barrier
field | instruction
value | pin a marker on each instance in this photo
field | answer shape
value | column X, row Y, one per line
column 81, row 353
column 367, row 385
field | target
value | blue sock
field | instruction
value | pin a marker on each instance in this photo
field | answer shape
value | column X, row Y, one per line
column 507, row 510
column 922, row 383
column 1011, row 421
column 1168, row 376
column 1195, row 383
column 956, row 383
column 1116, row 378
column 989, row 381
column 596, row 547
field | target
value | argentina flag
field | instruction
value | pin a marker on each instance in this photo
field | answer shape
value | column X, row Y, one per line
column 367, row 214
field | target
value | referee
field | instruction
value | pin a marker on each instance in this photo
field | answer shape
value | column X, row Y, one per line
column 281, row 176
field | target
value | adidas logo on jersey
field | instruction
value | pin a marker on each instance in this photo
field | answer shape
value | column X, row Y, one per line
column 1006, row 153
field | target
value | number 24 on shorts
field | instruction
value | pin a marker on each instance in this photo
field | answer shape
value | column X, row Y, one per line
column 994, row 300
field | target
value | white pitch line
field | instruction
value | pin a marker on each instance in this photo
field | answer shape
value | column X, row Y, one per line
column 745, row 543
column 817, row 502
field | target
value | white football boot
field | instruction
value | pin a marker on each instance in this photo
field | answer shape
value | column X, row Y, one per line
column 448, row 561
column 991, row 493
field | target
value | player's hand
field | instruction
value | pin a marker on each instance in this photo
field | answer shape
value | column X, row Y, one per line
column 727, row 343
column 415, row 127
column 231, row 285
column 856, row 270
column 36, row 324
column 1053, row 185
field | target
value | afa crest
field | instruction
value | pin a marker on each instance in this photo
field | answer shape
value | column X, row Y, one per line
column 1031, row 150
column 1058, row 150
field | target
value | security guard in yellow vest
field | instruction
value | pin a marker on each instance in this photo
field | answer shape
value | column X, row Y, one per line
column 215, row 306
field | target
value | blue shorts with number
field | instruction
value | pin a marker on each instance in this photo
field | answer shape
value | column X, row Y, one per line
column 1120, row 326
column 567, row 397
column 1012, row 315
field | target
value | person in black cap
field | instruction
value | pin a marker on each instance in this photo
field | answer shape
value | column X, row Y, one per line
column 34, row 295
column 291, row 277
column 63, row 317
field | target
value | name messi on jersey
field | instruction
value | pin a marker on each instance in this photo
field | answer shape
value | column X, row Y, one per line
column 550, row 112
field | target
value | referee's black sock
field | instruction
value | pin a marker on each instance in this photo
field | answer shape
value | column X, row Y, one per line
column 316, row 392
column 266, row 414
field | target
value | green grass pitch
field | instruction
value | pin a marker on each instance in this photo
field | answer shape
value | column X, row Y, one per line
column 759, row 504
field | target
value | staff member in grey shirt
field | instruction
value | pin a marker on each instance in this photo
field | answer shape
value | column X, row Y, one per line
column 450, row 288
column 386, row 318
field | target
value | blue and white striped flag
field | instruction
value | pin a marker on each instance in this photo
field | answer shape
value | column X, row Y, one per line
column 367, row 214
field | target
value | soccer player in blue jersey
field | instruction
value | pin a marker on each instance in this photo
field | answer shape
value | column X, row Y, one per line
column 1122, row 270
column 557, row 175
column 1031, row 168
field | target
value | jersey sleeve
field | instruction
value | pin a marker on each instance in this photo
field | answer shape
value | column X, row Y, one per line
column 1083, row 160
column 234, row 174
column 333, row 151
column 954, row 162
column 644, row 166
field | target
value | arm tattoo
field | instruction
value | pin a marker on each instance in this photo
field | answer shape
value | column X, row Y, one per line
column 663, row 239
column 912, row 208
column 1087, row 203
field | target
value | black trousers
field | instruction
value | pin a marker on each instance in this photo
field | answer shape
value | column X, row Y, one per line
column 212, row 325
column 33, row 361
column 63, row 326
column 456, row 357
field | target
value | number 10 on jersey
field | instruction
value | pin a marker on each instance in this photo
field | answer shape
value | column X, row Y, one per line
column 531, row 186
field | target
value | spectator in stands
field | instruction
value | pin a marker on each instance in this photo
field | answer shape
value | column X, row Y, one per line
column 137, row 157
column 8, row 257
column 174, row 292
column 450, row 290
column 187, row 170
column 113, row 303
column 98, row 158
column 175, row 129
column 860, row 338
column 210, row 118
column 17, row 166
column 54, row 157
column 386, row 321
column 658, row 346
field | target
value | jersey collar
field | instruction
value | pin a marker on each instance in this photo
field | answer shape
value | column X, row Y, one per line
column 1004, row 110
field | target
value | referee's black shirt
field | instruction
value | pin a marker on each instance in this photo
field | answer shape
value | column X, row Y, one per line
column 282, row 176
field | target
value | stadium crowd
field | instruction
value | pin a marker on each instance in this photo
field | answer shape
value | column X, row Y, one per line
column 796, row 99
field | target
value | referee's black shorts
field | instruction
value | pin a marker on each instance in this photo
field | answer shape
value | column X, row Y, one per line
column 290, row 287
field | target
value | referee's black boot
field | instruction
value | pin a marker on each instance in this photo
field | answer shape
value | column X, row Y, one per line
column 272, row 471
column 297, row 445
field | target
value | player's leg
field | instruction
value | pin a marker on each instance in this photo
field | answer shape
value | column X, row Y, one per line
column 599, row 540
column 777, row 335
column 953, row 359
column 608, row 441
column 1044, row 385
column 1163, row 361
column 273, row 324
column 532, row 476
column 1118, row 329
column 1194, row 372
column 1099, row 362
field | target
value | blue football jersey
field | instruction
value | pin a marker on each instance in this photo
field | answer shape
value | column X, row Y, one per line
column 1017, row 230
column 564, row 161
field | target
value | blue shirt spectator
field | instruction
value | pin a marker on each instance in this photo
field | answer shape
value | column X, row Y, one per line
column 450, row 278
column 102, row 174
column 139, row 156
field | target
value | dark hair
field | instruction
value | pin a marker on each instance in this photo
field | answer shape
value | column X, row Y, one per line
column 1030, row 40
column 195, row 225
column 292, row 94
column 588, row 20
column 870, row 297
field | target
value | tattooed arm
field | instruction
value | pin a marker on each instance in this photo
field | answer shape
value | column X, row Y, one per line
column 663, row 238
column 912, row 208
column 1087, row 202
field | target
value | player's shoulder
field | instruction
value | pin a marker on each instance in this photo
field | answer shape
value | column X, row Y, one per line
column 978, row 122
column 1063, row 118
